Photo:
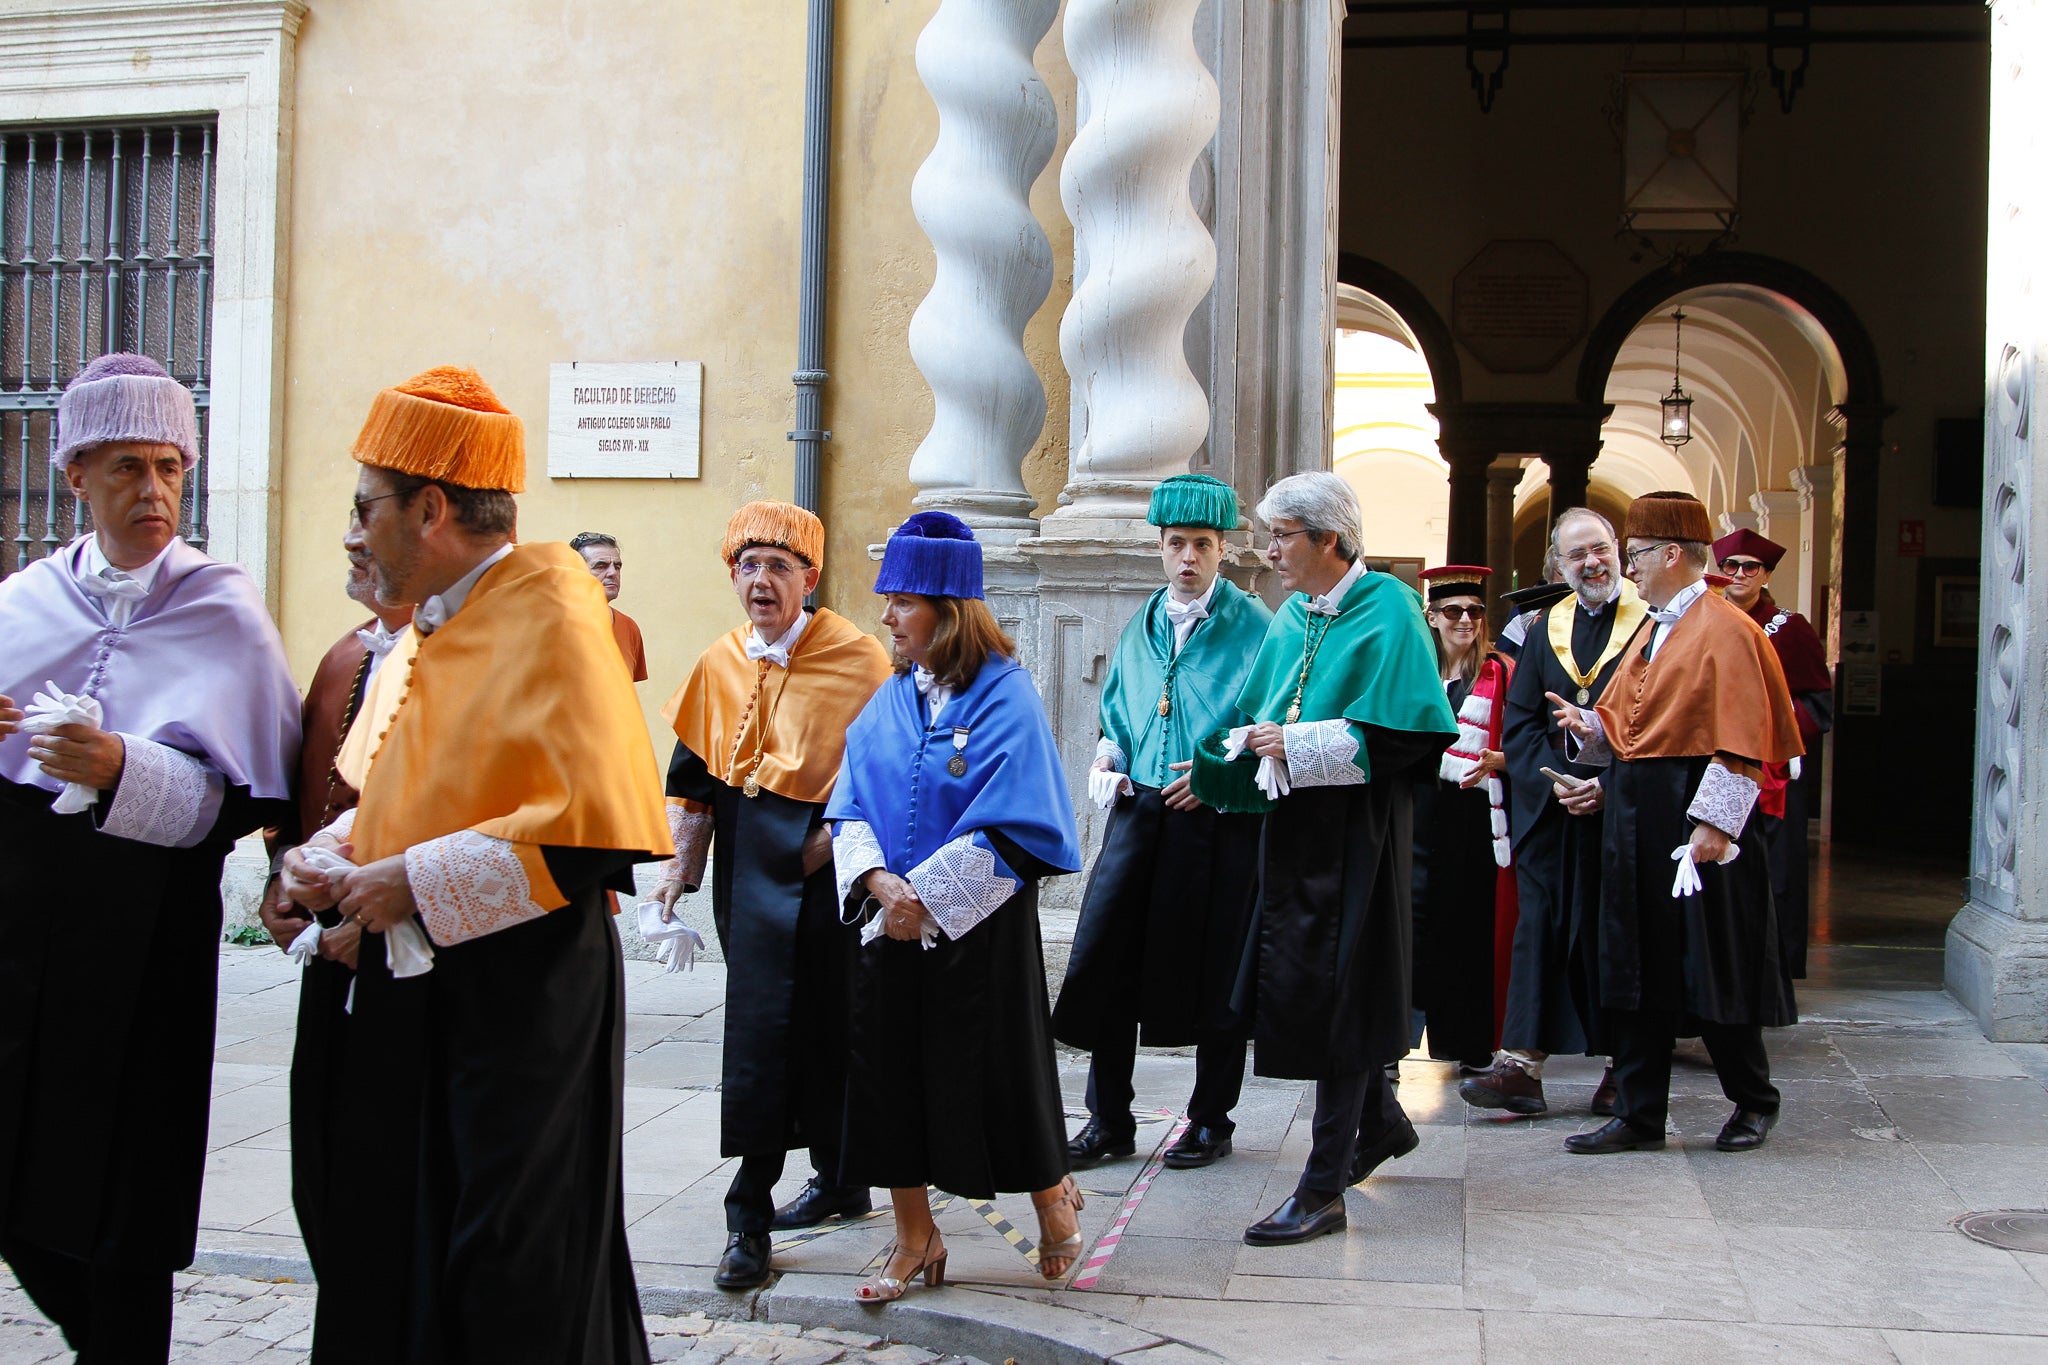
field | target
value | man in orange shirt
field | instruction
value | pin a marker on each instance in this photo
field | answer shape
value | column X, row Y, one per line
column 601, row 553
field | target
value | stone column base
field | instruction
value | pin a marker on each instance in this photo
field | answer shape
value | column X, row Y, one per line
column 1998, row 969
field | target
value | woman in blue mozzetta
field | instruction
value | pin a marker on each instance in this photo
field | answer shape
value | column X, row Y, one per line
column 949, row 809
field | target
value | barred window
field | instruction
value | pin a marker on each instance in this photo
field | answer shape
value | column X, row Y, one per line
column 106, row 244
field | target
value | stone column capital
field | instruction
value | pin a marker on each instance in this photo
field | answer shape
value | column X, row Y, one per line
column 1812, row 483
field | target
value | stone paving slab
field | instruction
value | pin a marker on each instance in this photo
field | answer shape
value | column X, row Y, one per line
column 1832, row 1243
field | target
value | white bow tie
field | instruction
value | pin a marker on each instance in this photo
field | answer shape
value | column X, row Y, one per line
column 432, row 615
column 1665, row 616
column 115, row 584
column 1177, row 612
column 1321, row 605
column 925, row 679
column 776, row 654
column 377, row 640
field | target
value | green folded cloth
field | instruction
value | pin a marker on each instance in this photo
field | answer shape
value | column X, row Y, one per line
column 1230, row 786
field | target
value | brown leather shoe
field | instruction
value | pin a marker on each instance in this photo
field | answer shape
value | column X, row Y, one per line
column 1505, row 1086
column 1603, row 1097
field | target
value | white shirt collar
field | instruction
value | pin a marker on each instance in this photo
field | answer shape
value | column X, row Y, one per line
column 1680, row 602
column 778, row 651
column 1174, row 604
column 935, row 693
column 1331, row 602
column 96, row 562
column 439, row 609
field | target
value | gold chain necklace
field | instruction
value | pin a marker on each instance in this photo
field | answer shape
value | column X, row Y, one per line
column 752, row 785
column 1308, row 658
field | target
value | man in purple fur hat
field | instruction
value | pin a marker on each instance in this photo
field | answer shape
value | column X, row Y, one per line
column 147, row 721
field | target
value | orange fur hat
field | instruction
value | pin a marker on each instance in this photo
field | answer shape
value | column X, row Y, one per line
column 782, row 524
column 445, row 424
column 1668, row 516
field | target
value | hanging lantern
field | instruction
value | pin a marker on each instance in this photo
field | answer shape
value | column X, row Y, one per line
column 1677, row 404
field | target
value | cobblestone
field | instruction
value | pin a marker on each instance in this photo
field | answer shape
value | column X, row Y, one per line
column 223, row 1320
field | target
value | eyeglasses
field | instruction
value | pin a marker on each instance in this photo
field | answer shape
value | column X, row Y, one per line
column 780, row 568
column 1273, row 538
column 1455, row 614
column 361, row 503
column 1600, row 551
column 1633, row 555
column 1741, row 568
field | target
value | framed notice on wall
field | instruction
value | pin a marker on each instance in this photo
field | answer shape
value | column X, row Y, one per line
column 637, row 419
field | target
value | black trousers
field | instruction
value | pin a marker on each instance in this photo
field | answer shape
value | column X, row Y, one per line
column 1219, row 1079
column 1352, row 1111
column 750, row 1200
column 110, row 1315
column 1642, row 1065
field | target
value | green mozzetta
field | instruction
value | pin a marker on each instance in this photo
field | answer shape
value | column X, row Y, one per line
column 1376, row 666
column 1207, row 677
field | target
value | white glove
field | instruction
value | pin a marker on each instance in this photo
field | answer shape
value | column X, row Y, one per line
column 1272, row 774
column 677, row 944
column 405, row 944
column 1795, row 769
column 57, row 707
column 306, row 946
column 1687, row 882
column 1105, row 786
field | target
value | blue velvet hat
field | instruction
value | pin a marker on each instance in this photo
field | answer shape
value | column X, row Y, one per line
column 933, row 554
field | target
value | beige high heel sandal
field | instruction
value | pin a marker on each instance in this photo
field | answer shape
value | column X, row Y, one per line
column 887, row 1288
column 1055, row 1259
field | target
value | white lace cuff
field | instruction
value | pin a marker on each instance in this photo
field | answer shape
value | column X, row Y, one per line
column 341, row 826
column 1321, row 753
column 855, row 853
column 1595, row 752
column 468, row 884
column 689, row 833
column 1723, row 800
column 165, row 797
column 1111, row 750
column 963, row 884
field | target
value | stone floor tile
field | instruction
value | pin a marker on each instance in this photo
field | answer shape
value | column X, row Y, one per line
column 1966, row 1348
column 1887, row 1054
column 1215, row 1202
column 643, row 1103
column 1593, row 1339
column 273, row 1049
column 1525, row 1166
column 1834, row 1005
column 1853, row 1277
column 672, row 1152
column 686, row 1231
column 675, row 1066
column 1810, row 1111
column 1825, row 1184
column 1399, row 1229
column 243, row 1113
column 1357, row 1293
column 25, row 1344
column 1246, row 1331
column 228, row 1350
column 1965, row 1109
column 244, row 1186
column 1185, row 1267
column 1599, row 1264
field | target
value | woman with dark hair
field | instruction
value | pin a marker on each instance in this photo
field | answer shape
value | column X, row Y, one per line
column 949, row 809
column 1464, row 898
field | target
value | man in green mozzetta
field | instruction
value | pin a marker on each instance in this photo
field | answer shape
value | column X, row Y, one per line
column 1163, row 924
column 1346, row 712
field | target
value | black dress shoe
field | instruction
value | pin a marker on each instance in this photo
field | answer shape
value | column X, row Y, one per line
column 1094, row 1144
column 1303, row 1215
column 815, row 1203
column 1198, row 1146
column 1603, row 1095
column 1744, row 1131
column 745, row 1263
column 1395, row 1142
column 1615, row 1135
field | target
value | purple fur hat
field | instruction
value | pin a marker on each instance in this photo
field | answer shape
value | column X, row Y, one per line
column 125, row 397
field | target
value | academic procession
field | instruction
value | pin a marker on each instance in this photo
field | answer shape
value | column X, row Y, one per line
column 1310, row 866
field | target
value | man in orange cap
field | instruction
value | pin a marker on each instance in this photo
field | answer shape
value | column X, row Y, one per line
column 1696, row 708
column 760, row 732
column 1748, row 560
column 506, row 783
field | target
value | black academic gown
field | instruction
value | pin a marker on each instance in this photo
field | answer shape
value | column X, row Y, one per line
column 109, row 969
column 1166, row 914
column 788, row 962
column 497, row 1230
column 1711, row 957
column 1329, row 958
column 1455, row 907
column 1552, row 977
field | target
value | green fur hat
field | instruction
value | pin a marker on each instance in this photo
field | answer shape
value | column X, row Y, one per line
column 1194, row 500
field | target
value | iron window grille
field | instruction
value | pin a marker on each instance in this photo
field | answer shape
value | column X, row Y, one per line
column 106, row 244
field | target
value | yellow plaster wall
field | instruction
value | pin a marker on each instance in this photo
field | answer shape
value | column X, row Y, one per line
column 511, row 183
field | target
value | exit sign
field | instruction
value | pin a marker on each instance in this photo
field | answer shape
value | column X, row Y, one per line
column 1913, row 538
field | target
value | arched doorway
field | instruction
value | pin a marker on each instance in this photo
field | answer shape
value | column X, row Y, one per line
column 1383, row 436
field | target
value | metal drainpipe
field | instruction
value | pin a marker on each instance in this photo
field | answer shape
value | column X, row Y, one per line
column 810, row 373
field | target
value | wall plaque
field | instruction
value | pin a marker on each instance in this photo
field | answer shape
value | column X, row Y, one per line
column 1519, row 306
column 625, row 420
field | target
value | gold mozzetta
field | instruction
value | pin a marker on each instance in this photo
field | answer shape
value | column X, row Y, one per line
column 1628, row 614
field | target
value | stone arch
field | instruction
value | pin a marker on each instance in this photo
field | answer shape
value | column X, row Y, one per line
column 1432, row 334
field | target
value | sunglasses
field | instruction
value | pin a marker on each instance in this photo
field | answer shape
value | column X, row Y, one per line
column 1460, row 613
column 1741, row 568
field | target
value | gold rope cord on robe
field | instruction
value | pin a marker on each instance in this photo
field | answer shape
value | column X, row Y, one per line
column 379, row 707
column 1629, row 611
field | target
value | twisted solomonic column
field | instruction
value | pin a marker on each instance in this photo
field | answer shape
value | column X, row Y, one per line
column 997, row 127
column 1144, row 259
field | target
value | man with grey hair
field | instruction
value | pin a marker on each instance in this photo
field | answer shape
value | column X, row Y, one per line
column 1572, row 649
column 1347, row 710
